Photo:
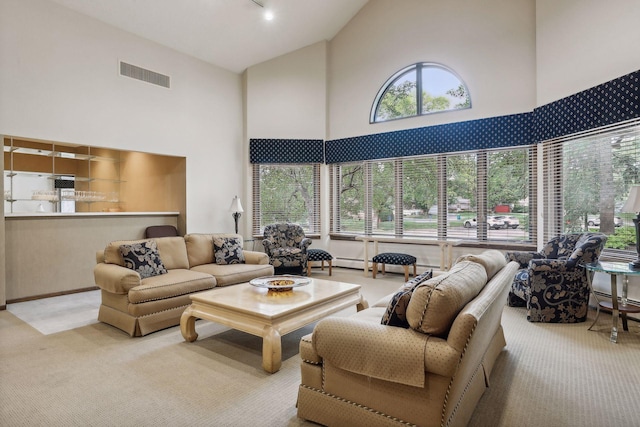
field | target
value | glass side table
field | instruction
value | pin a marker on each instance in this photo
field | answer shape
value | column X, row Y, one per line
column 618, row 308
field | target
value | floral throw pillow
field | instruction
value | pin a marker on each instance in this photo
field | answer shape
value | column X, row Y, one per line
column 396, row 313
column 144, row 258
column 228, row 250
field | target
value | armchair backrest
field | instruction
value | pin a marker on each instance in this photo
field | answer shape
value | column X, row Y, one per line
column 561, row 247
column 284, row 235
column 587, row 248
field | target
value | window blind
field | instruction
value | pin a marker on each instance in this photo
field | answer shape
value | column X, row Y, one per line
column 286, row 193
column 586, row 181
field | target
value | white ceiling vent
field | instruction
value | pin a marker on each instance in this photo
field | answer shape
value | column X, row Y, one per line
column 145, row 75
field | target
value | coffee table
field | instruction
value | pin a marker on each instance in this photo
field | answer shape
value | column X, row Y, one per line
column 269, row 314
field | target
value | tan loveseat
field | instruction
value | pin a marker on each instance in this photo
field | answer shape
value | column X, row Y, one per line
column 357, row 372
column 141, row 306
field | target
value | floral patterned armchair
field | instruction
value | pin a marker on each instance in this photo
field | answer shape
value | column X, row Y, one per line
column 286, row 246
column 551, row 283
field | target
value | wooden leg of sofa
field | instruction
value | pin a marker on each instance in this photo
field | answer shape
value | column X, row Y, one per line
column 375, row 269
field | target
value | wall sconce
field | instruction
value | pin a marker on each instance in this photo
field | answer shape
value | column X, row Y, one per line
column 633, row 205
column 236, row 210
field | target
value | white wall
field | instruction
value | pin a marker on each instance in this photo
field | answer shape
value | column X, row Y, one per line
column 490, row 44
column 584, row 43
column 287, row 99
column 59, row 81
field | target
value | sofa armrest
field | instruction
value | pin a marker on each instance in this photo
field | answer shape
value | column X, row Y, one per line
column 255, row 257
column 114, row 278
column 385, row 352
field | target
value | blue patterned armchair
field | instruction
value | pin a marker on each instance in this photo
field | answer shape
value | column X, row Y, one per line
column 286, row 246
column 551, row 283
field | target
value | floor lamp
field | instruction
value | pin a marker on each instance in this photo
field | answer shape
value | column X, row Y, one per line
column 633, row 205
column 236, row 210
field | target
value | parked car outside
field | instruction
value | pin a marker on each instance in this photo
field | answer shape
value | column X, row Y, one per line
column 493, row 222
column 594, row 221
column 509, row 221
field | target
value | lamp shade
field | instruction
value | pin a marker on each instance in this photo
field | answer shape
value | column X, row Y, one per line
column 236, row 206
column 633, row 201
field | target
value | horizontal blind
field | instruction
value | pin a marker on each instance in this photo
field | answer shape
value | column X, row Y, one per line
column 587, row 180
column 286, row 193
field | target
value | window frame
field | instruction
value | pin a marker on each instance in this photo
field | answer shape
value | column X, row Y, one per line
column 481, row 235
column 314, row 228
column 418, row 67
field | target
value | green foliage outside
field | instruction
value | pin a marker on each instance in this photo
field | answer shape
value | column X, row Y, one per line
column 622, row 238
column 286, row 194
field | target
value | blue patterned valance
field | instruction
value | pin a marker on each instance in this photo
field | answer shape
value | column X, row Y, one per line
column 286, row 151
column 495, row 132
column 613, row 102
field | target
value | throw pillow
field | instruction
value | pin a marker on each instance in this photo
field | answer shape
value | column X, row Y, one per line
column 144, row 258
column 395, row 315
column 435, row 303
column 228, row 250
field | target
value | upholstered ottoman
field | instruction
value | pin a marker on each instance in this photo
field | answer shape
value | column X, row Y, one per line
column 318, row 255
column 394, row 258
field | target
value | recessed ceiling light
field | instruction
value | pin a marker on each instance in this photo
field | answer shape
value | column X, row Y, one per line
column 268, row 15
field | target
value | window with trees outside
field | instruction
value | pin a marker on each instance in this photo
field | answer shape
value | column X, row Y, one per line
column 483, row 195
column 418, row 89
column 586, row 182
column 286, row 193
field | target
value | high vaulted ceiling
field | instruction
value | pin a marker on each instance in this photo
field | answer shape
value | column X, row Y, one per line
column 231, row 34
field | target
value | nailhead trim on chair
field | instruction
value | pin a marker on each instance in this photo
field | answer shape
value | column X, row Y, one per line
column 366, row 408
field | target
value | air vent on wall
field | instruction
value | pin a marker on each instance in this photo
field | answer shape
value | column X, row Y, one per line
column 145, row 75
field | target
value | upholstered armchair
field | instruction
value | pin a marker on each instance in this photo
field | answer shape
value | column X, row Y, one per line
column 286, row 246
column 553, row 283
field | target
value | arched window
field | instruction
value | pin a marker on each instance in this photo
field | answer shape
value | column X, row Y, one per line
column 440, row 87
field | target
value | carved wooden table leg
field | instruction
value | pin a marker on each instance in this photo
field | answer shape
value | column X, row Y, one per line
column 188, row 325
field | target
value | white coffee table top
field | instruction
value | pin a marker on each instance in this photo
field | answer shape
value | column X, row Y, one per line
column 258, row 302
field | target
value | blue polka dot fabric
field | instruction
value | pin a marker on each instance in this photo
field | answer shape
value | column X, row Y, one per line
column 286, row 151
column 394, row 258
column 606, row 104
column 319, row 255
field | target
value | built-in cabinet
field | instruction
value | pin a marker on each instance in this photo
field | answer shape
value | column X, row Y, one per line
column 50, row 177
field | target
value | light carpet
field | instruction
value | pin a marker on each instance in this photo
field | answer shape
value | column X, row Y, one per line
column 95, row 375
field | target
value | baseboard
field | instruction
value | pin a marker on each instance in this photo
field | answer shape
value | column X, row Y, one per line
column 53, row 294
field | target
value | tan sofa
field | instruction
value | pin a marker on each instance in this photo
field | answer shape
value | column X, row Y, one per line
column 357, row 372
column 141, row 306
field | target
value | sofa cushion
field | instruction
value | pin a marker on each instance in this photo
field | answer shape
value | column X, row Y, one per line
column 492, row 261
column 172, row 250
column 228, row 250
column 235, row 273
column 200, row 247
column 143, row 258
column 175, row 282
column 435, row 303
column 396, row 312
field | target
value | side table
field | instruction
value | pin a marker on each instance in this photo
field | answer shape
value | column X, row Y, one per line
column 618, row 308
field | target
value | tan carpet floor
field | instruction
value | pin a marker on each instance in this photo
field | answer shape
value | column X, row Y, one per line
column 95, row 375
